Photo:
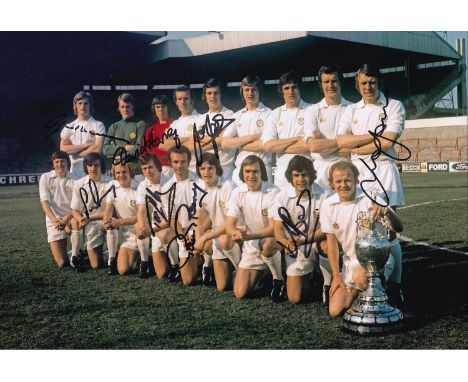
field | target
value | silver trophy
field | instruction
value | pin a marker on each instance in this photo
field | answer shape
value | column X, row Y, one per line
column 372, row 314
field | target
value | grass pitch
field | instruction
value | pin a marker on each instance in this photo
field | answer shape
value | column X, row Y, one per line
column 43, row 307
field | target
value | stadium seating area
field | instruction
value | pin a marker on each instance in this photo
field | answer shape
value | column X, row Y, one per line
column 435, row 144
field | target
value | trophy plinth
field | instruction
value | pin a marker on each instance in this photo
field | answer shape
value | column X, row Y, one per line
column 372, row 314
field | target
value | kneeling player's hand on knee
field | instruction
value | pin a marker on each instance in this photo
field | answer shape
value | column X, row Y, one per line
column 337, row 283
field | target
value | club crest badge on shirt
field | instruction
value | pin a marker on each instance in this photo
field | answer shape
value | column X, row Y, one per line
column 300, row 121
column 260, row 123
column 336, row 226
column 265, row 212
column 132, row 135
column 133, row 203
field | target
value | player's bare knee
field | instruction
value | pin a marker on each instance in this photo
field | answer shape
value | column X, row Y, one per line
column 294, row 298
column 222, row 285
column 335, row 310
column 61, row 263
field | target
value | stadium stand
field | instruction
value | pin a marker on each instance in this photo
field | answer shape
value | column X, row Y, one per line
column 435, row 143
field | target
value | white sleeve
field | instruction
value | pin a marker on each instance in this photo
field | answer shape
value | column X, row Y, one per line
column 396, row 118
column 76, row 202
column 100, row 129
column 344, row 126
column 272, row 203
column 66, row 133
column 310, row 122
column 231, row 130
column 269, row 131
column 325, row 219
column 279, row 202
column 44, row 193
column 110, row 199
column 233, row 206
column 141, row 193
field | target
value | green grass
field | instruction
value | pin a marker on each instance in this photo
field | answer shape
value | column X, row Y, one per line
column 43, row 307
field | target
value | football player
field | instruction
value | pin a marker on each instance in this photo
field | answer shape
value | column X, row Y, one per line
column 55, row 192
column 297, row 225
column 250, row 222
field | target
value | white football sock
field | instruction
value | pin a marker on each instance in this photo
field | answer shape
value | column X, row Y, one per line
column 395, row 250
column 112, row 239
column 173, row 253
column 208, row 261
column 105, row 256
column 143, row 248
column 274, row 264
column 76, row 239
column 326, row 271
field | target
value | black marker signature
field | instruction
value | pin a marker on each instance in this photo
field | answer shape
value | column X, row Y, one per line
column 301, row 228
column 95, row 195
column 377, row 134
column 121, row 156
column 159, row 214
column 213, row 129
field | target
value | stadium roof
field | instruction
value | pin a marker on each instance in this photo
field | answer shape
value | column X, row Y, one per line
column 230, row 55
column 418, row 42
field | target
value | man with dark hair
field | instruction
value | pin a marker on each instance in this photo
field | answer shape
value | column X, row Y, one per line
column 320, row 128
column 245, row 133
column 297, row 227
column 385, row 118
column 212, row 91
column 82, row 136
column 126, row 135
column 211, row 237
column 87, row 210
column 55, row 192
column 183, row 98
column 155, row 139
column 148, row 193
column 321, row 123
column 284, row 131
column 339, row 221
column 250, row 222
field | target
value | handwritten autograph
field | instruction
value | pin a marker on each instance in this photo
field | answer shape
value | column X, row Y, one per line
column 95, row 196
column 300, row 229
column 212, row 129
column 377, row 134
column 155, row 199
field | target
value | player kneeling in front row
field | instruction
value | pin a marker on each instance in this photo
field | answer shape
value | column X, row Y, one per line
column 211, row 237
column 150, row 199
column 122, row 200
column 55, row 192
column 87, row 210
column 338, row 218
column 250, row 221
column 297, row 225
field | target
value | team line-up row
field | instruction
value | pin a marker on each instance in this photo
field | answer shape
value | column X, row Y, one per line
column 315, row 137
